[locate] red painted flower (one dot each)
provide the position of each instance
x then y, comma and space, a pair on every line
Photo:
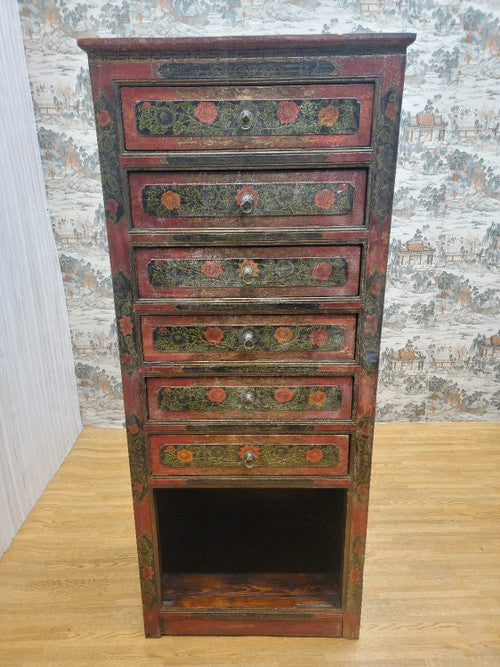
358, 548
287, 112
391, 111
211, 269
147, 572
148, 599
328, 116
111, 206
206, 112
216, 394
314, 455
247, 190
126, 326
283, 394
341, 187
249, 448
355, 575
322, 271
146, 105
126, 359
324, 199
283, 334
170, 448
361, 489
133, 428
214, 335
318, 337
170, 200
103, 118
137, 487
317, 398
185, 455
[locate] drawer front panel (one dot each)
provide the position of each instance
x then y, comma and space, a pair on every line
201, 118
248, 272
265, 199
249, 398
251, 337
249, 454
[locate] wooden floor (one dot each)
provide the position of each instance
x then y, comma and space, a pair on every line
69, 590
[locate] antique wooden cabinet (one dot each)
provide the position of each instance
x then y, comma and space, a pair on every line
248, 190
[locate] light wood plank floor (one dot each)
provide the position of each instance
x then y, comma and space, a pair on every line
69, 591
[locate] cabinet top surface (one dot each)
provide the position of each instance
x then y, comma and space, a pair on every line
349, 43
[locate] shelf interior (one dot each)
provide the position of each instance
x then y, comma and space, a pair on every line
251, 548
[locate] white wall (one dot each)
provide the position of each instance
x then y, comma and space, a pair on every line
39, 415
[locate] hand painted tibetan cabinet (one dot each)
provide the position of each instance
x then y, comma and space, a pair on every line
248, 189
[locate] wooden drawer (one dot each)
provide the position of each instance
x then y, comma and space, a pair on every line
248, 272
329, 198
250, 337
249, 398
204, 118
249, 454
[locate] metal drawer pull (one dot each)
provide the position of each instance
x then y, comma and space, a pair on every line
247, 274
249, 459
249, 398
248, 340
246, 119
247, 202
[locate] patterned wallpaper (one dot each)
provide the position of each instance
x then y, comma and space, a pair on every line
441, 337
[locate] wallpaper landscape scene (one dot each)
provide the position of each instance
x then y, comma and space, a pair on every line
441, 338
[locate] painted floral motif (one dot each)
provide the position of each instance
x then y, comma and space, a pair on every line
146, 569
182, 118
283, 394
214, 335
209, 200
126, 328
314, 455
328, 116
266, 337
249, 449
287, 112
211, 269
247, 190
206, 112
266, 455
279, 272
185, 455
195, 399
170, 200
107, 140
324, 199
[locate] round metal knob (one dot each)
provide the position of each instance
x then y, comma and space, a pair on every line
247, 274
246, 119
248, 340
249, 459
249, 398
247, 202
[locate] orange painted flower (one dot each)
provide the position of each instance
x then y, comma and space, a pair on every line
111, 206
317, 398
247, 190
216, 395
137, 487
355, 575
126, 359
206, 112
248, 262
147, 572
249, 448
283, 334
170, 448
103, 118
211, 269
328, 116
322, 271
133, 428
318, 337
146, 105
170, 200
214, 335
391, 111
358, 548
287, 112
185, 455
314, 455
361, 489
324, 199
126, 326
283, 394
